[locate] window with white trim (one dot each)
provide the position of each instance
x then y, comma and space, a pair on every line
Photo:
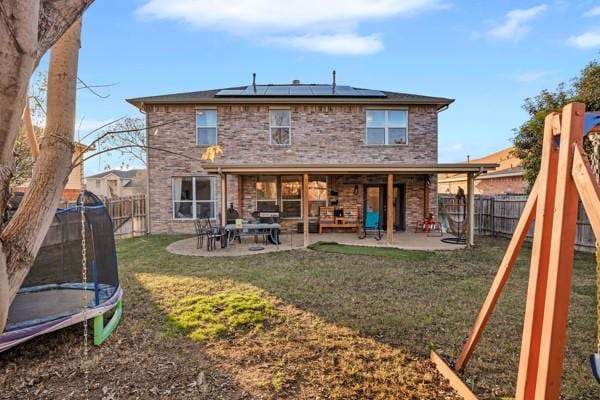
387, 127
291, 196
206, 127
317, 195
194, 197
266, 192
280, 127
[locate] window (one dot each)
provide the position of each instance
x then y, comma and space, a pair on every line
317, 195
291, 196
266, 193
387, 127
280, 127
206, 127
98, 183
194, 197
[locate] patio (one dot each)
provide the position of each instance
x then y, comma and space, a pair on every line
289, 241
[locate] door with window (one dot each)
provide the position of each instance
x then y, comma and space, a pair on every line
376, 201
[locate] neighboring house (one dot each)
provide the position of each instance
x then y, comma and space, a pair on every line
73, 186
118, 183
294, 147
508, 178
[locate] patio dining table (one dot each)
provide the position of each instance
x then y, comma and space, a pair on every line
253, 229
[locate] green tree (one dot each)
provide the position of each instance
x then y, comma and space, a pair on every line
528, 137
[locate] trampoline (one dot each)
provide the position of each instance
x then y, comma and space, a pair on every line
53, 294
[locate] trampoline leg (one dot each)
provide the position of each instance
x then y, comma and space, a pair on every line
101, 332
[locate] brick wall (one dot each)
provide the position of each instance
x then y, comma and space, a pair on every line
320, 134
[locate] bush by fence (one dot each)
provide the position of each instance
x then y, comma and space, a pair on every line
498, 216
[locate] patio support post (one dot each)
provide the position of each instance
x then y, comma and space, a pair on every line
470, 209
425, 197
240, 196
305, 208
223, 199
390, 209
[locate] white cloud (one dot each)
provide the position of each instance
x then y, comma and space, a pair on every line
593, 12
515, 25
586, 40
339, 43
312, 25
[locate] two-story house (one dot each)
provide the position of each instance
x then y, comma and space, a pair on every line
118, 183
296, 147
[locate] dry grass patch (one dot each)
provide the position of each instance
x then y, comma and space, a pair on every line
280, 351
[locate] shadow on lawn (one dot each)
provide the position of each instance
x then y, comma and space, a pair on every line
137, 361
414, 304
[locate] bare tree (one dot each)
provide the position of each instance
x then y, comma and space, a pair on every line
28, 28
129, 136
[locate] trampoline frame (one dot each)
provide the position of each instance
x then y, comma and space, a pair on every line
94, 312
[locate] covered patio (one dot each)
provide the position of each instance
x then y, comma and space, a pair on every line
289, 241
387, 177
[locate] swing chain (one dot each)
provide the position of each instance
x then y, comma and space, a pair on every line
85, 291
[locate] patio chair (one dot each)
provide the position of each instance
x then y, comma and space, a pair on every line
201, 232
215, 233
232, 216
371, 226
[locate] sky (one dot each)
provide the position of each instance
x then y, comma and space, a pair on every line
488, 55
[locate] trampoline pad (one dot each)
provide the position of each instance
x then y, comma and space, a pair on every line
31, 308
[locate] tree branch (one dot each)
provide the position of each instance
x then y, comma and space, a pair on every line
56, 16
108, 133
76, 164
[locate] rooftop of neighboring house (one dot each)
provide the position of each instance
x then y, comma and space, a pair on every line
291, 93
121, 173
508, 165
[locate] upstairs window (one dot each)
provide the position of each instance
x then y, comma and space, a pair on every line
387, 127
206, 127
280, 129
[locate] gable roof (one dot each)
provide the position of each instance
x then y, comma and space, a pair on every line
126, 174
295, 93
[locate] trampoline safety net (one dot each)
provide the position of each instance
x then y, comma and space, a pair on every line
54, 286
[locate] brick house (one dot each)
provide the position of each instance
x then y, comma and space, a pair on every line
295, 146
508, 178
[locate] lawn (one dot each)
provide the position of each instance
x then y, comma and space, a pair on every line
329, 322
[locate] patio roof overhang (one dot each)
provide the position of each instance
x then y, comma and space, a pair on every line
348, 169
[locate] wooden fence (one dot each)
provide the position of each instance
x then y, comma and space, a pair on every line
128, 215
498, 216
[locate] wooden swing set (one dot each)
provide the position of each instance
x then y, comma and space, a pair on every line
565, 176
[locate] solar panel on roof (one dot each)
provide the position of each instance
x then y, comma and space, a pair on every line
299, 91
278, 91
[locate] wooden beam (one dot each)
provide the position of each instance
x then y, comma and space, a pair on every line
390, 209
470, 209
546, 187
305, 209
560, 265
588, 188
506, 266
223, 199
455, 382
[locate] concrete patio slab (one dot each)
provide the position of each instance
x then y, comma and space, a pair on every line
289, 241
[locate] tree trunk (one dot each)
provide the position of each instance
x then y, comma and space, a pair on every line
24, 234
18, 45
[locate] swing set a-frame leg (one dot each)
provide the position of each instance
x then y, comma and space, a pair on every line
506, 266
565, 175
